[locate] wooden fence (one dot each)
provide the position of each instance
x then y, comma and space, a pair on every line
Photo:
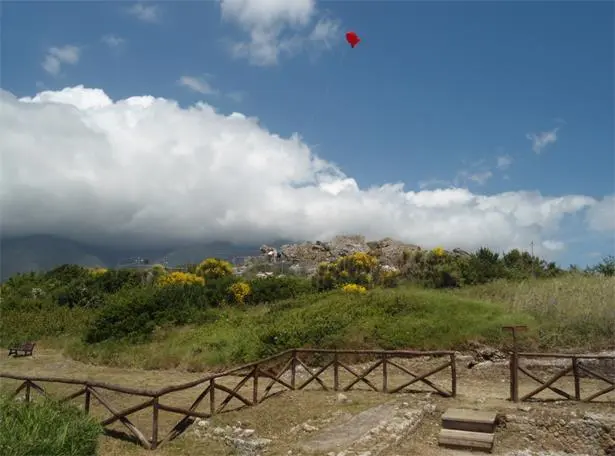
578, 368
386, 371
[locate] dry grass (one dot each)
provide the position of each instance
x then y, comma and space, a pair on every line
572, 311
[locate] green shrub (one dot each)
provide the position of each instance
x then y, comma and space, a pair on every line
113, 280
46, 429
67, 273
270, 289
78, 294
216, 291
135, 313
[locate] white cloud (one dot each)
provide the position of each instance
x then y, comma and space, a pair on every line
601, 216
542, 140
278, 27
144, 170
113, 41
56, 56
504, 162
199, 85
145, 13
553, 245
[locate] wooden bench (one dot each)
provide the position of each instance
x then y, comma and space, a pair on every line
26, 349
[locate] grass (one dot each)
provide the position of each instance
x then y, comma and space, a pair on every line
573, 311
46, 428
404, 318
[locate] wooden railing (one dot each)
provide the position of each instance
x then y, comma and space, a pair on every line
283, 372
577, 369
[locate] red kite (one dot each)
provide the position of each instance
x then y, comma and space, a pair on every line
353, 39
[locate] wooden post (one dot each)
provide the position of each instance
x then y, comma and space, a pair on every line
453, 375
514, 362
336, 373
212, 396
577, 379
255, 386
88, 399
293, 370
155, 410
385, 374
28, 391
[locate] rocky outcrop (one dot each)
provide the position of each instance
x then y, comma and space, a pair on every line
304, 257
388, 251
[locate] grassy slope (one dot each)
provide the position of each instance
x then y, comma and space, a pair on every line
404, 318
573, 311
569, 312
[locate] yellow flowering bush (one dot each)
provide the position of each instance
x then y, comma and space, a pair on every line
438, 251
212, 269
97, 271
357, 268
179, 278
239, 291
354, 288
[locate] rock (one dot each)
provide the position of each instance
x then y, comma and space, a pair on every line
247, 447
308, 427
202, 423
248, 432
218, 431
343, 399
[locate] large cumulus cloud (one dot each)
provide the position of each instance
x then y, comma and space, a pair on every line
144, 170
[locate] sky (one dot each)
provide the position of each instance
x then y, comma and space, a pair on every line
453, 124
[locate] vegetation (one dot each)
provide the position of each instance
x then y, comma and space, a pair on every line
46, 428
210, 316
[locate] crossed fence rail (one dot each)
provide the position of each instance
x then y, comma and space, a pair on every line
248, 385
287, 371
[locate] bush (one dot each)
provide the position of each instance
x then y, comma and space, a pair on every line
217, 290
354, 288
213, 268
113, 281
179, 278
134, 314
67, 273
78, 294
356, 268
238, 292
47, 428
271, 289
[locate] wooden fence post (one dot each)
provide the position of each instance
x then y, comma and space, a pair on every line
336, 373
577, 379
212, 396
155, 410
255, 385
453, 375
28, 389
293, 370
385, 374
88, 399
514, 362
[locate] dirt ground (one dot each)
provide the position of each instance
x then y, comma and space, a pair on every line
277, 418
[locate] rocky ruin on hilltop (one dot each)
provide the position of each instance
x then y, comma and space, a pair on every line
307, 255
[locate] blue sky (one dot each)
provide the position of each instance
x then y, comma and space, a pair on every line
437, 94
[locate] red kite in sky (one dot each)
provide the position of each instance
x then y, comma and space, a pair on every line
352, 38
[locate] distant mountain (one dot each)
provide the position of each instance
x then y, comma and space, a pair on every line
41, 253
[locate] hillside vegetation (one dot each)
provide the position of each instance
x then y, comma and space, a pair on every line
46, 428
210, 317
